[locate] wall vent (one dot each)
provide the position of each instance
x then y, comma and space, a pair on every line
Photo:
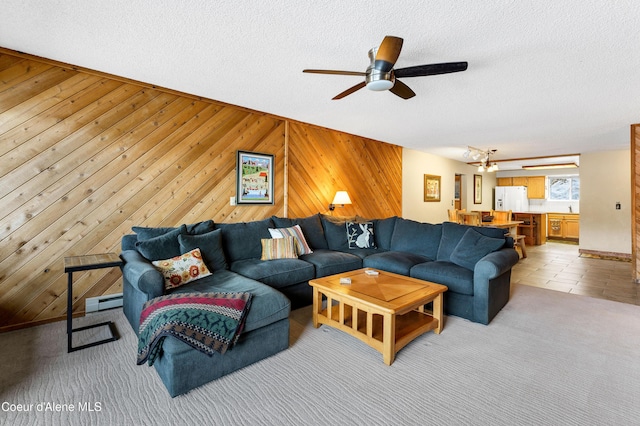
100, 303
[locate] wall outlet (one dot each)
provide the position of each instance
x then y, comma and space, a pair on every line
232, 201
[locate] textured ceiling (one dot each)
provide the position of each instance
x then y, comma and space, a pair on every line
544, 77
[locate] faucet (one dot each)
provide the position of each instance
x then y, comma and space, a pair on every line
570, 209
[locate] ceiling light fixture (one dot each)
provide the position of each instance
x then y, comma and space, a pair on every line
551, 166
483, 156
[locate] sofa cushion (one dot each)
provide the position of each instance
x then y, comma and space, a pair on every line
383, 231
360, 235
182, 269
362, 253
295, 231
415, 237
210, 245
474, 246
267, 305
278, 248
394, 261
145, 233
335, 234
329, 262
163, 246
242, 240
311, 228
275, 273
452, 233
456, 278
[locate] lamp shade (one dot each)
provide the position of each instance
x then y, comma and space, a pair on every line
341, 198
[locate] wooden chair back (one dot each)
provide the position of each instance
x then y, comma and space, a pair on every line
453, 214
470, 218
501, 215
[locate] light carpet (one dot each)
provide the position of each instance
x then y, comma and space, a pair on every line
548, 358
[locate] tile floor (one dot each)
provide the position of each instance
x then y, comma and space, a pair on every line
559, 266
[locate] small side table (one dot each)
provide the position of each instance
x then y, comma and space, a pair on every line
84, 263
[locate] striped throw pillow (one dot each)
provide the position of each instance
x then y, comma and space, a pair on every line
278, 248
295, 232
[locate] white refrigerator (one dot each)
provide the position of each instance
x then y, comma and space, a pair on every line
512, 198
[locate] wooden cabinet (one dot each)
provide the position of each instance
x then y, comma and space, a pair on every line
535, 184
534, 227
564, 226
536, 187
519, 181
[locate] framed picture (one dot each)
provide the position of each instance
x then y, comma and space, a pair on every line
477, 189
254, 178
431, 188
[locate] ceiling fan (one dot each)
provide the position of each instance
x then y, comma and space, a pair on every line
380, 74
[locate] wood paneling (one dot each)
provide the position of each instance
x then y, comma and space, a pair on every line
635, 199
324, 161
85, 156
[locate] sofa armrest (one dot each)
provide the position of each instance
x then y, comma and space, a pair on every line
496, 263
141, 274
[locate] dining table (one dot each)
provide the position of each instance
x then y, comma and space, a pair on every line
511, 225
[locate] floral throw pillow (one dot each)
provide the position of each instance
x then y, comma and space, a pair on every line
182, 269
360, 235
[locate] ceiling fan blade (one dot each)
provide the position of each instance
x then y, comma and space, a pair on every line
402, 90
431, 69
388, 53
336, 72
350, 90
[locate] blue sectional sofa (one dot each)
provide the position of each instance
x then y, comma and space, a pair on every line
474, 262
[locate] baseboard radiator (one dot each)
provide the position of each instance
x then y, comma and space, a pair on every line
101, 303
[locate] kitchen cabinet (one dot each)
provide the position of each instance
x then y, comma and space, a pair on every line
564, 226
519, 181
536, 187
533, 227
535, 184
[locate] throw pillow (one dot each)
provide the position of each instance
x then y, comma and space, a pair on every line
164, 246
474, 246
360, 235
182, 269
278, 248
210, 245
295, 232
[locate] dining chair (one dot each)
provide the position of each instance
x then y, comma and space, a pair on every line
453, 214
469, 218
501, 215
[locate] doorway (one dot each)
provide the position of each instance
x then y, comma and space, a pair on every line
457, 196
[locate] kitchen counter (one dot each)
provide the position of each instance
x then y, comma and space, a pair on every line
533, 227
564, 226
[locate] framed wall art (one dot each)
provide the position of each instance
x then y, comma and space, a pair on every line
254, 180
431, 188
477, 189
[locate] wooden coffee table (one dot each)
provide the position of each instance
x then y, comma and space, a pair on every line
386, 311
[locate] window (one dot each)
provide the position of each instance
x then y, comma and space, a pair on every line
564, 188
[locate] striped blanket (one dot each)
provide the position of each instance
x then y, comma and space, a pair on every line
209, 322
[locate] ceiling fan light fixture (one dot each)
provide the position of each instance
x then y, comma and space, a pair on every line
379, 85
381, 75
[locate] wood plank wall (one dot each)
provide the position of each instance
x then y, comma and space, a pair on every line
635, 199
84, 156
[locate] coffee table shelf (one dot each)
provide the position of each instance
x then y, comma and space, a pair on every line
408, 326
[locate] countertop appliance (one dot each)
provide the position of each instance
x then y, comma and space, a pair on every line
512, 198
